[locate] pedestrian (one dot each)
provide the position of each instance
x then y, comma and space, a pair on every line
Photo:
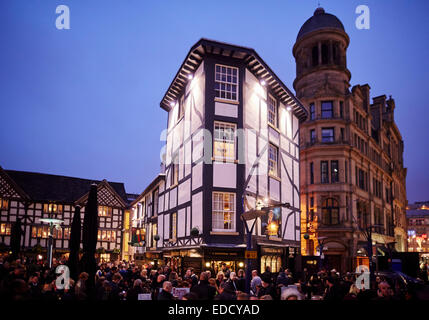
203, 289
166, 294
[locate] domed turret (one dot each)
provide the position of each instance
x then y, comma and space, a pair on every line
320, 20
320, 54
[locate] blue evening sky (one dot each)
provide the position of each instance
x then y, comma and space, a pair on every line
84, 102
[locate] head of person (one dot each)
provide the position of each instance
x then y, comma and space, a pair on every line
384, 289
117, 278
212, 282
266, 281
233, 276
291, 293
167, 286
241, 273
204, 276
266, 297
137, 283
254, 273
83, 276
188, 273
354, 289
220, 276
209, 273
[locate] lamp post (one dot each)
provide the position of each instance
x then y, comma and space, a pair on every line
254, 214
321, 242
52, 223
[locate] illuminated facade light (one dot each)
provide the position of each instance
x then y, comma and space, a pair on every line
190, 76
263, 83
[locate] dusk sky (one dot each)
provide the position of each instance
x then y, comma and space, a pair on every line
84, 102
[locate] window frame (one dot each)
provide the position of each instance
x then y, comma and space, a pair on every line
331, 109
221, 211
324, 174
312, 111
335, 176
275, 171
331, 137
226, 82
327, 211
224, 142
274, 112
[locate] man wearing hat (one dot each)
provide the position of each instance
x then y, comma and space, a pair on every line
267, 287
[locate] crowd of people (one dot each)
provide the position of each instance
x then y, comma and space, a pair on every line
27, 279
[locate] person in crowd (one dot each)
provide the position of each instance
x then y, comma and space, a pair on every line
241, 279
290, 293
203, 289
220, 278
332, 292
255, 283
267, 287
353, 293
166, 294
226, 293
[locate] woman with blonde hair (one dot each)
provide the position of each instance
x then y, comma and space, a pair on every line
353, 293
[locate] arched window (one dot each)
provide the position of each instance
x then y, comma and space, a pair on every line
330, 212
315, 56
325, 54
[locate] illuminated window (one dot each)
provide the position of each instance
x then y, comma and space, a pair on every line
104, 211
272, 111
4, 204
41, 232
224, 141
273, 160
226, 83
5, 229
223, 211
52, 208
106, 235
154, 233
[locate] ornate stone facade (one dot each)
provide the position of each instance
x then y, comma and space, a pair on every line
352, 172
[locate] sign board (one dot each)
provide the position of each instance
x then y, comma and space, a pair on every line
251, 254
144, 296
180, 292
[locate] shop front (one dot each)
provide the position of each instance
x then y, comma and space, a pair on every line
223, 259
180, 260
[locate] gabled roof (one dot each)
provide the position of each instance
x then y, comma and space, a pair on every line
160, 177
49, 187
248, 55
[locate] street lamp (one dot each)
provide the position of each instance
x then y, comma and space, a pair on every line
52, 223
254, 214
321, 242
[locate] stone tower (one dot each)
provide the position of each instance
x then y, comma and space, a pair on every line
348, 148
320, 54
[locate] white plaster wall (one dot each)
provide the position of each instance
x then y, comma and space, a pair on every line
224, 175
181, 227
197, 176
226, 109
184, 191
197, 211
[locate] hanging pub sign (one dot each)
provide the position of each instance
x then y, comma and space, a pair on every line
138, 237
271, 222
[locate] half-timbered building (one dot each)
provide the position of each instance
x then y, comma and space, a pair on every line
33, 196
232, 141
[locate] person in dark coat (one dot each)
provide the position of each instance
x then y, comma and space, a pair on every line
267, 287
225, 293
333, 291
166, 294
203, 289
